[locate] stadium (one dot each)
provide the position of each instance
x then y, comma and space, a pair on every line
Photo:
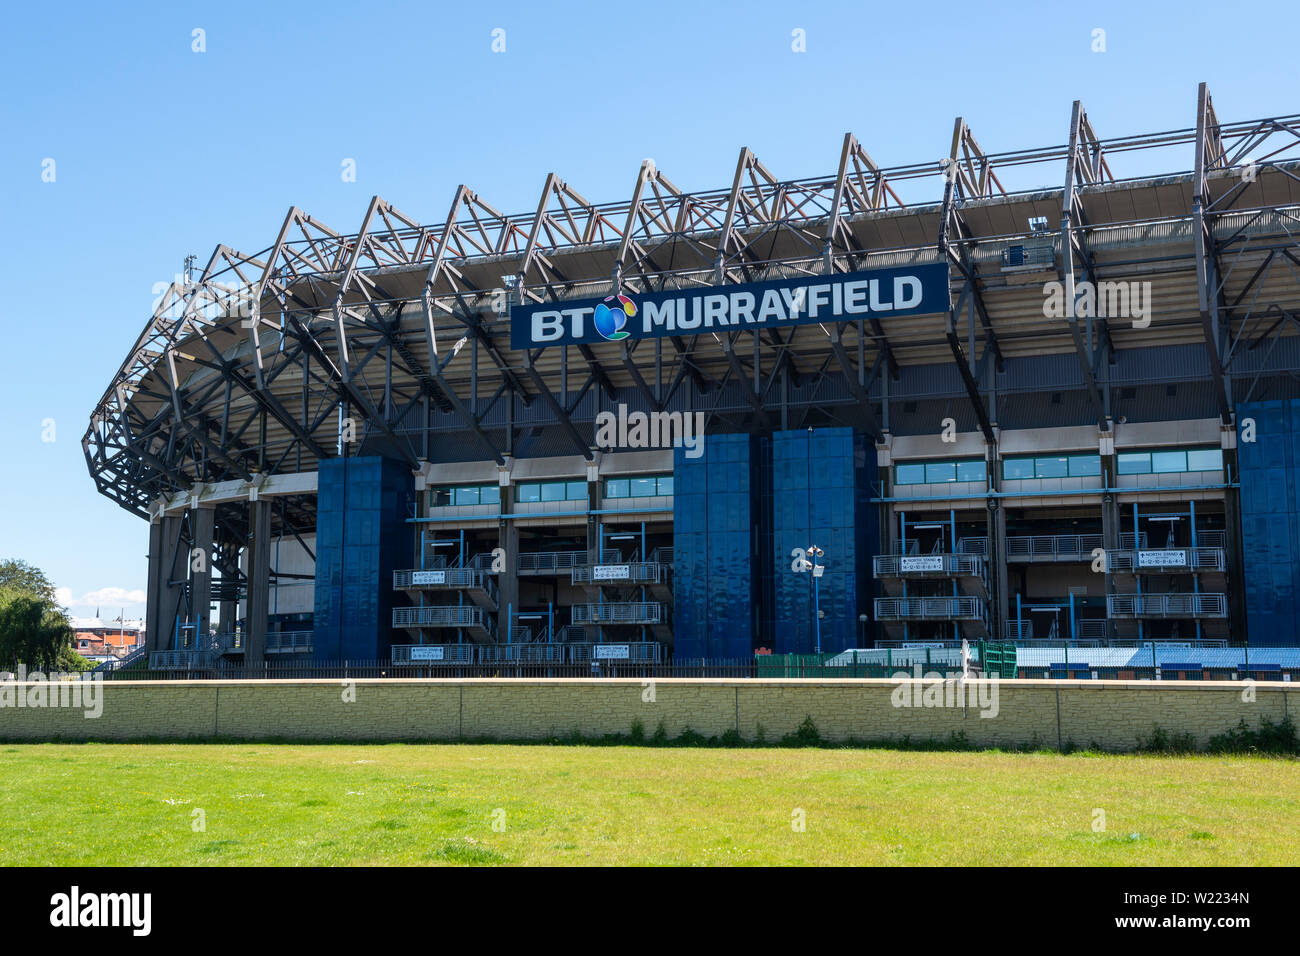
1040, 395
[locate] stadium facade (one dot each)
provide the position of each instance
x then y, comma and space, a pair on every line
1041, 394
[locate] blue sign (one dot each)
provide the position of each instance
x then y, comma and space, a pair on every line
845, 297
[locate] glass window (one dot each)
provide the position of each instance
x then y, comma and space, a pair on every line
464, 495
1205, 459
489, 495
1016, 468
1133, 463
1085, 466
553, 491
616, 488
970, 471
940, 471
439, 497
909, 475
530, 491
1051, 467
644, 487
575, 490
665, 484
1165, 462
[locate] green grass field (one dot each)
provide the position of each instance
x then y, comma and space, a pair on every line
281, 804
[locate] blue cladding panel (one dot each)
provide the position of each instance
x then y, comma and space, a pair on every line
1270, 520
713, 550
739, 511
361, 538
821, 496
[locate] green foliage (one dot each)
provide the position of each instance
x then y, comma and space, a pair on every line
33, 631
1269, 738
18, 575
1163, 742
691, 738
637, 736
807, 735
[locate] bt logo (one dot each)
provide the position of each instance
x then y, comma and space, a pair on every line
609, 322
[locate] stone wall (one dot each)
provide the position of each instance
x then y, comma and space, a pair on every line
1108, 714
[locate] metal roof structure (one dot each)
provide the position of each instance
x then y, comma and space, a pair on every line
248, 368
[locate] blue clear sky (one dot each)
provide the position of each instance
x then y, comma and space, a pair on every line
161, 152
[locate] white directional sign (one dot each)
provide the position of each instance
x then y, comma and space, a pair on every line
609, 652
1162, 559
429, 577
929, 562
426, 653
611, 572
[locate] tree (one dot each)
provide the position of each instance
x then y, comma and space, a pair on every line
21, 576
33, 631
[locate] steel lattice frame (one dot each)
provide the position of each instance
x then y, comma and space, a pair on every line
247, 369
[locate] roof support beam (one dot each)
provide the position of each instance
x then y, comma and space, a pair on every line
1085, 162
1209, 149
561, 416
851, 378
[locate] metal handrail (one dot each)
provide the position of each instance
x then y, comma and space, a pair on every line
445, 654
1062, 547
468, 615
1196, 559
451, 579
561, 560
907, 565
931, 608
631, 612
638, 572
1167, 605
289, 640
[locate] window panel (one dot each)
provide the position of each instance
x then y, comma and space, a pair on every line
909, 474
665, 484
1133, 463
940, 471
1085, 466
575, 490
1018, 468
616, 488
971, 471
643, 487
439, 497
489, 495
530, 491
1051, 467
1205, 459
1167, 462
464, 495
553, 490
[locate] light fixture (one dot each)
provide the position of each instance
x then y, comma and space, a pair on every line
622, 537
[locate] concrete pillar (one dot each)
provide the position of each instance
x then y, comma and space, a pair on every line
1110, 525
1234, 559
259, 581
202, 526
996, 525
153, 584
508, 579
168, 563
508, 540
